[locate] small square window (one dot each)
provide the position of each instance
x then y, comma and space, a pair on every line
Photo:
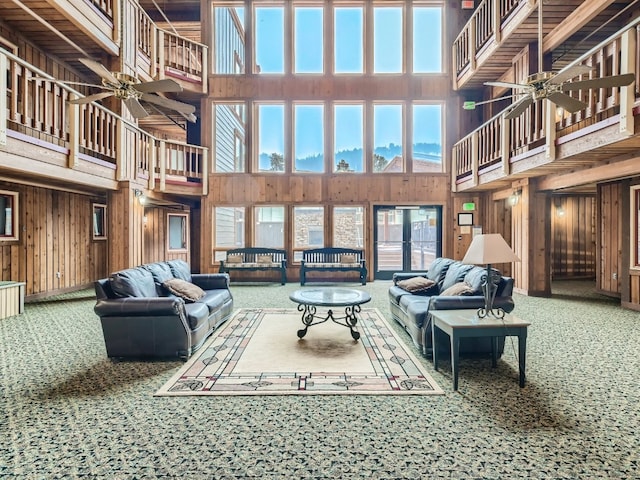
99, 221
8, 215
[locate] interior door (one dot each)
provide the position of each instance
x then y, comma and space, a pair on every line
406, 238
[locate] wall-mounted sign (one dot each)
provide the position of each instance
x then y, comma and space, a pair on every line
469, 206
467, 4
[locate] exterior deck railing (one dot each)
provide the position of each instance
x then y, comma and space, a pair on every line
36, 105
499, 139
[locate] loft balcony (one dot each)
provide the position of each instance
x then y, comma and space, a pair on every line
43, 136
71, 29
544, 140
499, 30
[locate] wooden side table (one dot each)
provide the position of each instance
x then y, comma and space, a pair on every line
465, 323
11, 298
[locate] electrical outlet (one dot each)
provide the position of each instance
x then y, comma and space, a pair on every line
58, 275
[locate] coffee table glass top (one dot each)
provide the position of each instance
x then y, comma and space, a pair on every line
330, 297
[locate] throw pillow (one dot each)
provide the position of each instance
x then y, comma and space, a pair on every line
234, 259
348, 258
265, 259
461, 288
416, 284
184, 289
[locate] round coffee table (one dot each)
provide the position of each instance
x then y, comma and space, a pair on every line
308, 299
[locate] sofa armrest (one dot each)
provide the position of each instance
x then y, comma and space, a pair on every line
211, 281
139, 306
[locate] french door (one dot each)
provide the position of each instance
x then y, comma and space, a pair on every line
406, 238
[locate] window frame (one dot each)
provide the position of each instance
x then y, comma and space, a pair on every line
634, 211
14, 216
220, 252
99, 231
361, 215
185, 232
296, 250
255, 219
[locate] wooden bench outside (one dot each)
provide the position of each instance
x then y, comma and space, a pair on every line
255, 259
333, 259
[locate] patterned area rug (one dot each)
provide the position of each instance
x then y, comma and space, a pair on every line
258, 352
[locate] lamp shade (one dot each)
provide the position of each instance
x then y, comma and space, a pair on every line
489, 248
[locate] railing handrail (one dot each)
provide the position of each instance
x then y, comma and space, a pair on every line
575, 62
47, 77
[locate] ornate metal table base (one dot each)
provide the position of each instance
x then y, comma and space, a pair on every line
310, 317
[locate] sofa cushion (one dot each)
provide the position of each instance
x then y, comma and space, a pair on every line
455, 274
184, 289
160, 271
475, 278
197, 315
180, 269
438, 270
234, 259
418, 285
215, 299
133, 282
461, 288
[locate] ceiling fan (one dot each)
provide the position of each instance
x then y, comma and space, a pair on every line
132, 92
552, 86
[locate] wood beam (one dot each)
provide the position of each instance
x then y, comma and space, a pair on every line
574, 22
609, 171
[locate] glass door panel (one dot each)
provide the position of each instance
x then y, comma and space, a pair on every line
406, 239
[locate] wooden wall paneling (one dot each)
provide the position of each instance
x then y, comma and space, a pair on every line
610, 246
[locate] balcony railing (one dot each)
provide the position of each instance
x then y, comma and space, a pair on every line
480, 29
500, 140
36, 105
161, 53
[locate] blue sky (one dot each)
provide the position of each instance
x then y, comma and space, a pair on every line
348, 58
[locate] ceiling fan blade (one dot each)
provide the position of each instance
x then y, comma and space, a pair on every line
168, 103
570, 73
519, 107
99, 70
563, 100
604, 82
90, 98
506, 85
166, 85
135, 108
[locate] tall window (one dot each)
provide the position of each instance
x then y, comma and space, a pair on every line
271, 138
269, 39
427, 138
308, 137
427, 40
308, 229
308, 40
387, 138
228, 226
269, 226
229, 40
230, 137
348, 40
387, 41
348, 123
99, 221
348, 227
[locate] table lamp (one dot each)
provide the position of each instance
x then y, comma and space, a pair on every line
486, 249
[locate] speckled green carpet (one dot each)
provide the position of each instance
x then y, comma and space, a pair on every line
66, 411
